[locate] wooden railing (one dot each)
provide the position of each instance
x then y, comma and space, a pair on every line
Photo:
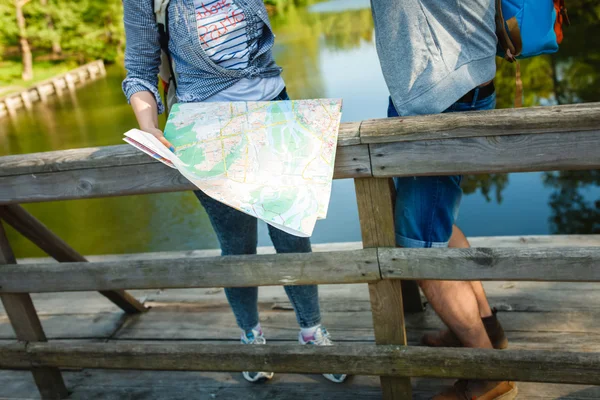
536, 139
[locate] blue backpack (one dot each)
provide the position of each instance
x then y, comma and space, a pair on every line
527, 28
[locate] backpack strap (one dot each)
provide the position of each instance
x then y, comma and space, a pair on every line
166, 71
509, 34
160, 10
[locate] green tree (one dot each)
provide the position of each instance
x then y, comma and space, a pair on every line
9, 32
54, 37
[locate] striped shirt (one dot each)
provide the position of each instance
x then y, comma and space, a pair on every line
198, 76
222, 33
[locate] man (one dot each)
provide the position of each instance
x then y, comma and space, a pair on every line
439, 56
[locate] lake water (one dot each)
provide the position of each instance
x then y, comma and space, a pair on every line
326, 50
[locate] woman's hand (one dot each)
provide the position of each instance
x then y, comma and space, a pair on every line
145, 109
157, 133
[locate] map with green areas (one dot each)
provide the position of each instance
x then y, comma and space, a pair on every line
273, 160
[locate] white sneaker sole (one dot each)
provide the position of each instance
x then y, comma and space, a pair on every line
259, 378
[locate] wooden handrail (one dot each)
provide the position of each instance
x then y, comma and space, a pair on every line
355, 359
572, 142
355, 266
581, 264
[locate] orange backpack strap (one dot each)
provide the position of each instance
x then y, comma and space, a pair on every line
561, 18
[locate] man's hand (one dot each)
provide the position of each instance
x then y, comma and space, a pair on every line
157, 133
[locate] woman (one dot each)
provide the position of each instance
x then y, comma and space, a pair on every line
222, 52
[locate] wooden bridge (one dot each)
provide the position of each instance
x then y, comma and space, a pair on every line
554, 338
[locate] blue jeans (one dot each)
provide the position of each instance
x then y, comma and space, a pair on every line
427, 206
237, 234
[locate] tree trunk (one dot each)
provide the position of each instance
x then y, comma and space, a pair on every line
56, 47
27, 73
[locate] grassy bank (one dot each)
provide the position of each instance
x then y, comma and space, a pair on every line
10, 74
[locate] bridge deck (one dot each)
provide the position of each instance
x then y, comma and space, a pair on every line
561, 316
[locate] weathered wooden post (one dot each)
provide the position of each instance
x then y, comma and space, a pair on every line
375, 209
28, 328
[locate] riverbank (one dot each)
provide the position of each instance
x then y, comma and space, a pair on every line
10, 74
54, 85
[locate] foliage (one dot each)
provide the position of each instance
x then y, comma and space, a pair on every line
85, 29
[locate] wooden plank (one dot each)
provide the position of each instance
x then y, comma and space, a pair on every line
349, 133
554, 322
375, 210
54, 246
501, 122
122, 155
356, 359
578, 264
425, 388
171, 321
494, 154
184, 322
352, 161
411, 293
536, 241
538, 297
177, 385
150, 177
88, 303
73, 326
14, 353
374, 199
92, 183
28, 328
356, 266
151, 385
146, 385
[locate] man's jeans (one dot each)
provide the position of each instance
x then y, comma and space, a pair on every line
427, 206
237, 234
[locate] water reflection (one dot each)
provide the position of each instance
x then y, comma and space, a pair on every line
572, 210
485, 184
327, 50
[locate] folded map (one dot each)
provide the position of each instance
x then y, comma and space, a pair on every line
273, 160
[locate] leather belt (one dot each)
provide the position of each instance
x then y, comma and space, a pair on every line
484, 92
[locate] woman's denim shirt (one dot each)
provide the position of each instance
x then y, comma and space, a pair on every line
198, 77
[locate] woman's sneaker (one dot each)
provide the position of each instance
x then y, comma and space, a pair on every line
321, 338
255, 337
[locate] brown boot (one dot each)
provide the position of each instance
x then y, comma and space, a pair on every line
495, 331
480, 390
447, 338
